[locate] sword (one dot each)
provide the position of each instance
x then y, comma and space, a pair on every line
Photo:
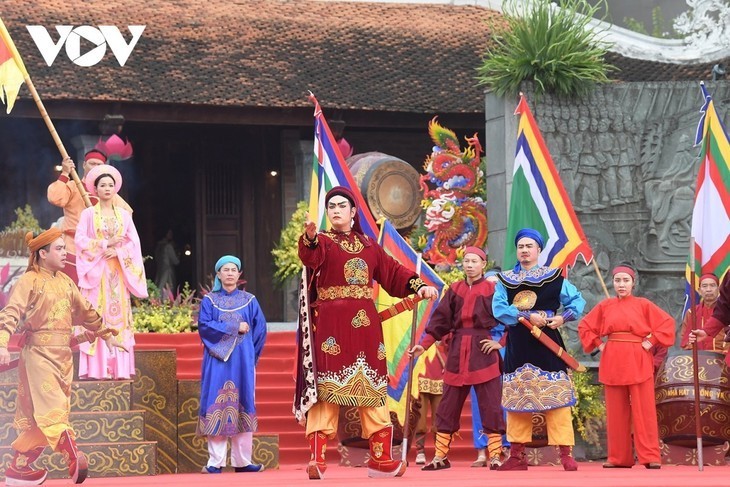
559, 351
406, 304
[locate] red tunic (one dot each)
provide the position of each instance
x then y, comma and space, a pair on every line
721, 314
704, 313
348, 337
626, 322
466, 311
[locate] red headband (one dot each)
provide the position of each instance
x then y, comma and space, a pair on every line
95, 154
476, 251
627, 270
710, 275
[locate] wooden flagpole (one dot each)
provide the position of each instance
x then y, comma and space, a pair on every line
411, 360
695, 355
57, 139
42, 109
600, 277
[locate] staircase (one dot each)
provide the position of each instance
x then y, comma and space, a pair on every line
275, 391
108, 431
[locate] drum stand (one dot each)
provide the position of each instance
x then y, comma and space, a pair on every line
683, 455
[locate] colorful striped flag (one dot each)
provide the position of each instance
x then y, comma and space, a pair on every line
397, 330
711, 214
12, 69
329, 170
538, 200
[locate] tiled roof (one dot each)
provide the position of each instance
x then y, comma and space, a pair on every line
267, 53
412, 58
639, 70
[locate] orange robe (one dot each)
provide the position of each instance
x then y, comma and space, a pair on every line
627, 372
48, 305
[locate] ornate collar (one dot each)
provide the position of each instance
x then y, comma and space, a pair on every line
537, 276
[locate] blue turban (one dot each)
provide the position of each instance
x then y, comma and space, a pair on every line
530, 233
226, 259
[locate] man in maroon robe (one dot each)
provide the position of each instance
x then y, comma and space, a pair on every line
473, 359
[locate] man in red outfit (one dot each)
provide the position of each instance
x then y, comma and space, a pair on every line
719, 320
710, 292
348, 356
473, 360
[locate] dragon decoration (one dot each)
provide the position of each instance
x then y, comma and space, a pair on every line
454, 199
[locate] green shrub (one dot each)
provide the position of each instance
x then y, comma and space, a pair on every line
177, 313
286, 252
553, 47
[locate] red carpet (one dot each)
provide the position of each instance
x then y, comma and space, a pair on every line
589, 474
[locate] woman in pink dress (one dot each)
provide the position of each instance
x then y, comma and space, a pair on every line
110, 268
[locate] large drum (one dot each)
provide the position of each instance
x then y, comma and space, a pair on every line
389, 185
674, 390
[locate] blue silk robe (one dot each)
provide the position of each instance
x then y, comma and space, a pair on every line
228, 378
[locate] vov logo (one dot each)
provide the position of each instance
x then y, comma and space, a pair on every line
70, 36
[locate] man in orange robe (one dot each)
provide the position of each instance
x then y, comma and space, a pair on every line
48, 304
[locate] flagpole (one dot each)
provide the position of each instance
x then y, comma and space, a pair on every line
5, 36
600, 277
411, 360
57, 139
695, 356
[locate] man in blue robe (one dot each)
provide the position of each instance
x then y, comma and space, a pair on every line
233, 330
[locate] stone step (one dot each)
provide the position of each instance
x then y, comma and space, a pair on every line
92, 395
123, 459
92, 426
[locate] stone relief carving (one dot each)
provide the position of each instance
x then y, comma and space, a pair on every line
626, 157
706, 24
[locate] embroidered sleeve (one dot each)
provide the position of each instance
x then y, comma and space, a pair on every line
416, 283
310, 243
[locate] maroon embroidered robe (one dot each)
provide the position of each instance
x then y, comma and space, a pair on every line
348, 339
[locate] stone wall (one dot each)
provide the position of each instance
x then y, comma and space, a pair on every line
626, 157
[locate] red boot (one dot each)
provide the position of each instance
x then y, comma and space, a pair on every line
317, 447
78, 467
20, 471
381, 463
566, 458
517, 459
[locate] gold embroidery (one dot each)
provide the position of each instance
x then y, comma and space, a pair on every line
330, 346
525, 300
531, 389
356, 272
416, 283
381, 351
430, 386
354, 247
4, 339
360, 319
310, 243
354, 385
61, 310
377, 449
342, 292
21, 460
